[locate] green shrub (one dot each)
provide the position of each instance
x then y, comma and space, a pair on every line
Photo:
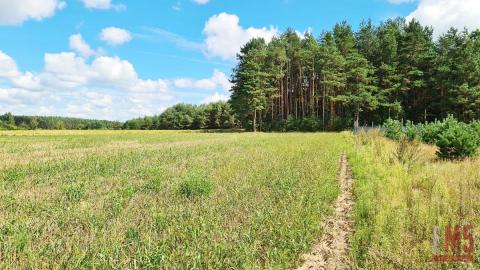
430, 132
196, 184
476, 126
458, 141
411, 131
393, 129
310, 124
455, 140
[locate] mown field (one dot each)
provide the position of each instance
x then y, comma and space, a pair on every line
163, 200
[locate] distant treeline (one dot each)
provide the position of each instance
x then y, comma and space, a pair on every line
217, 115
13, 122
394, 70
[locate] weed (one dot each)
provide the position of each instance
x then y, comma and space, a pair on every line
74, 192
196, 184
406, 152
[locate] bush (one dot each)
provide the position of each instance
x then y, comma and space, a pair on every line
411, 131
430, 133
196, 184
458, 141
393, 129
476, 126
455, 140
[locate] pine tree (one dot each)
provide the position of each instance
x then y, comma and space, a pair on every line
248, 95
361, 92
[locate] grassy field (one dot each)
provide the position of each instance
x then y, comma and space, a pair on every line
184, 200
402, 193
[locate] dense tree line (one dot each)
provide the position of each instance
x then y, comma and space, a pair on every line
217, 115
393, 70
10, 121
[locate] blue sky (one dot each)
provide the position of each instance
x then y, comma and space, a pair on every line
121, 59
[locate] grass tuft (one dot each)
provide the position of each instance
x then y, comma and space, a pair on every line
196, 184
74, 192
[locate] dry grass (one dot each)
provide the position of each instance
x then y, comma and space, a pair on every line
399, 202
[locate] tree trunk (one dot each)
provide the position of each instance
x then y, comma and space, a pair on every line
255, 120
356, 124
260, 120
282, 100
323, 106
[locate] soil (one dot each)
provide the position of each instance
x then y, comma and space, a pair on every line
334, 249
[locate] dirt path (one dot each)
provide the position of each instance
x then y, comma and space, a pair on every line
333, 250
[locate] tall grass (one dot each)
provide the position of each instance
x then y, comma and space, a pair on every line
163, 200
402, 195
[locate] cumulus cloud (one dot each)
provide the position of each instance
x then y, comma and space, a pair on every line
89, 84
218, 79
78, 44
99, 99
104, 87
215, 98
102, 4
225, 36
8, 67
115, 36
443, 14
17, 11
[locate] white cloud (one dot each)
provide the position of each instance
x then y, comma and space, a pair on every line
201, 2
27, 81
215, 98
304, 33
115, 36
443, 14
225, 36
66, 70
15, 96
101, 87
15, 12
102, 4
78, 44
8, 67
218, 79
113, 70
99, 99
